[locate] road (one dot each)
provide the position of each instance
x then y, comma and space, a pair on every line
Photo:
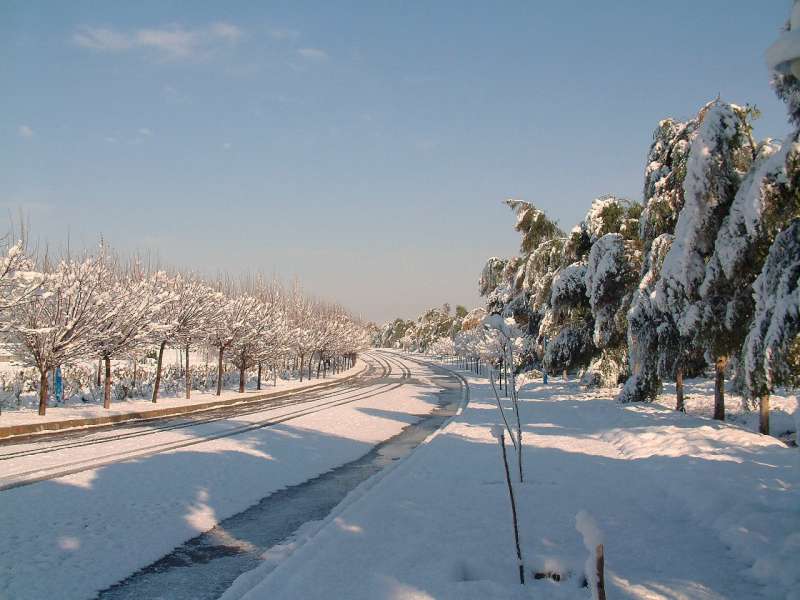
84, 510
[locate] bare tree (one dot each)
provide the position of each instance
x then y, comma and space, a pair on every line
60, 324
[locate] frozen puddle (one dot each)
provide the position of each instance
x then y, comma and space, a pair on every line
205, 566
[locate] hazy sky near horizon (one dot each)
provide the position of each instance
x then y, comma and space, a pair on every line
363, 147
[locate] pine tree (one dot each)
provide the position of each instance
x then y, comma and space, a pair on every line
663, 201
772, 346
719, 155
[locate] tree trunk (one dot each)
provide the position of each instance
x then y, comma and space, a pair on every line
310, 367
258, 385
719, 387
219, 371
157, 384
107, 390
133, 385
679, 405
99, 370
763, 414
241, 374
566, 375
43, 392
302, 366
188, 375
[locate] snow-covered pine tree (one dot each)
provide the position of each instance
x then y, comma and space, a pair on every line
720, 153
663, 201
772, 346
568, 322
647, 331
533, 224
612, 275
765, 203
759, 245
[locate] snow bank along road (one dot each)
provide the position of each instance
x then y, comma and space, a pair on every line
79, 513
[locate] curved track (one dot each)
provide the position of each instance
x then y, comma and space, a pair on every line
68, 456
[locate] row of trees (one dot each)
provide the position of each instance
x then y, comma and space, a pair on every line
705, 272
422, 333
56, 313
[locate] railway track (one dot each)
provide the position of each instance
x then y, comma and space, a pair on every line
351, 392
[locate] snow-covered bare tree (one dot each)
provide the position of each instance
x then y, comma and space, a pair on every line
132, 301
182, 320
235, 316
60, 324
19, 280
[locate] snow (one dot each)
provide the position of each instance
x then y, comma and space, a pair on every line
71, 536
587, 527
688, 507
743, 224
569, 285
699, 401
787, 47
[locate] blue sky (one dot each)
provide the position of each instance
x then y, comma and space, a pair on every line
363, 147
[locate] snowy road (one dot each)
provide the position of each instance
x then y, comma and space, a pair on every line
80, 513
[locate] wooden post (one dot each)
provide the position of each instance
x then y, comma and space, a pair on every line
601, 577
513, 510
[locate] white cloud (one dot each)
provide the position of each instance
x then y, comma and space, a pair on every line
313, 54
227, 146
145, 131
226, 31
284, 34
174, 42
25, 131
101, 38
110, 139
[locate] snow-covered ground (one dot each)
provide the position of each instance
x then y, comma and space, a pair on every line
73, 535
688, 508
29, 413
699, 400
